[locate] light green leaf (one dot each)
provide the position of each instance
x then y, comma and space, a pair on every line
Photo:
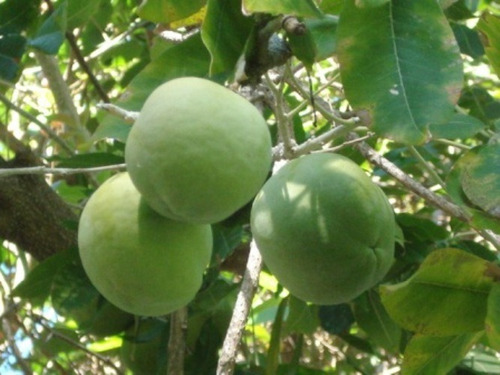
372, 318
492, 323
460, 126
50, 36
189, 58
446, 296
480, 178
303, 8
400, 66
224, 32
489, 26
166, 11
436, 355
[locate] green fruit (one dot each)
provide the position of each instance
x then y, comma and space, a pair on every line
198, 151
139, 260
324, 229
144, 348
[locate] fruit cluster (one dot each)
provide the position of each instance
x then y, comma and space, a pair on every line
197, 153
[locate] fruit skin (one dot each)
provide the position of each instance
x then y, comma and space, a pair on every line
139, 260
198, 151
324, 229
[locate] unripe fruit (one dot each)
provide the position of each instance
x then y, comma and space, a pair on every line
198, 151
139, 260
324, 229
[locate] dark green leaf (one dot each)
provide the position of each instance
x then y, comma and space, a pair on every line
50, 36
36, 286
480, 178
459, 10
166, 11
436, 355
225, 46
372, 318
370, 3
446, 296
275, 341
81, 12
421, 228
225, 239
303, 47
12, 46
19, 15
189, 58
336, 319
302, 317
492, 323
480, 103
398, 82
304, 8
460, 126
323, 32
468, 40
94, 159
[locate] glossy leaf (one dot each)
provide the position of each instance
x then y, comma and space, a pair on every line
446, 296
372, 318
303, 8
492, 325
468, 40
189, 58
480, 178
460, 126
51, 34
400, 84
436, 355
489, 26
165, 11
225, 46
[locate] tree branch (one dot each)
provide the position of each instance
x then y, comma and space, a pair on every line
128, 116
375, 158
240, 313
176, 342
39, 170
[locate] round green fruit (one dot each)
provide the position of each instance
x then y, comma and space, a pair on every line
324, 229
139, 260
198, 151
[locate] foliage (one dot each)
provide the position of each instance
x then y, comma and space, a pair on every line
406, 89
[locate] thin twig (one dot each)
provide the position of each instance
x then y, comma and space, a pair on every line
46, 128
414, 186
15, 350
59, 171
128, 116
240, 313
428, 168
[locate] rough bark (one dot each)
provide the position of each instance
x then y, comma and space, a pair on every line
32, 215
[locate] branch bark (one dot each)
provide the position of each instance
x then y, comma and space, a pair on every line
241, 310
177, 342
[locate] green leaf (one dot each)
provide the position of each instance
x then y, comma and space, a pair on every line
480, 103
492, 323
480, 178
81, 12
407, 74
165, 11
489, 26
273, 352
303, 8
323, 32
446, 296
50, 36
370, 3
468, 40
36, 286
93, 159
336, 319
436, 355
372, 318
12, 46
224, 32
19, 15
302, 317
226, 238
189, 58
303, 47
460, 126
